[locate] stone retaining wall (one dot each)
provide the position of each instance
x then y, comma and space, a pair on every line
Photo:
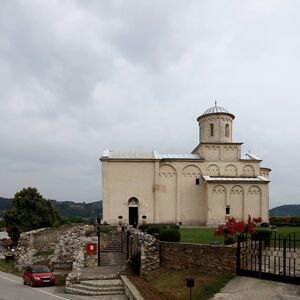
206, 258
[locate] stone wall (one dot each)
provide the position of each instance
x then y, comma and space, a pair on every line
65, 244
147, 247
206, 258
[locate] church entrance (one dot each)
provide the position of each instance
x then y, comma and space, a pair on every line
133, 216
133, 204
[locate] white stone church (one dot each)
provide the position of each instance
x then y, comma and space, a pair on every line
205, 187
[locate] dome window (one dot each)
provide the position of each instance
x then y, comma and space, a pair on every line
211, 129
227, 130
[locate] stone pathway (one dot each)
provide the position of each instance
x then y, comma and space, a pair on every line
248, 288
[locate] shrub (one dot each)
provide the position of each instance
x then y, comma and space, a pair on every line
155, 228
175, 227
262, 234
135, 263
229, 241
170, 235
144, 227
264, 224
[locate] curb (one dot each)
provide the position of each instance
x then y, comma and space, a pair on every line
130, 290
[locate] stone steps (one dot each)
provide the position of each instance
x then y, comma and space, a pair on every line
78, 291
102, 283
97, 288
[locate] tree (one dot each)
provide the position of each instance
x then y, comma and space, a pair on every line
29, 211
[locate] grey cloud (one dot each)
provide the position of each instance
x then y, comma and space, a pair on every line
77, 77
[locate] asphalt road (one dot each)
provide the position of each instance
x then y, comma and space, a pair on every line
12, 288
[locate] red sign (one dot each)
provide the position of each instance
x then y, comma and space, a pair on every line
91, 248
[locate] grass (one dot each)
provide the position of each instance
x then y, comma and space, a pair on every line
199, 236
287, 230
9, 267
171, 284
206, 235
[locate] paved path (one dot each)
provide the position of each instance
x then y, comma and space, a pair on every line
248, 288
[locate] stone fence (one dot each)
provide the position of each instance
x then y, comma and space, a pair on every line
206, 258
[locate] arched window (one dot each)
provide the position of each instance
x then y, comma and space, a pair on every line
211, 129
227, 130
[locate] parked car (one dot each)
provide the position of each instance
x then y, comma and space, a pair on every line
38, 275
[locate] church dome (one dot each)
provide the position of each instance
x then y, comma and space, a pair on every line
217, 110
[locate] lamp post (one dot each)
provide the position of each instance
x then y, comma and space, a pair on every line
98, 234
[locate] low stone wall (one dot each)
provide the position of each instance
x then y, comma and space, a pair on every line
147, 246
206, 258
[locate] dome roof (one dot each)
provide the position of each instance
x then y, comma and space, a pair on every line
216, 110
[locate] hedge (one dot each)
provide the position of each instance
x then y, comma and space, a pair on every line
169, 235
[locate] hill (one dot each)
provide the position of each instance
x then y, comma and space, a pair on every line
292, 210
64, 208
78, 209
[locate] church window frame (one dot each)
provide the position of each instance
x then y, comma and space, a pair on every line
227, 130
211, 129
227, 210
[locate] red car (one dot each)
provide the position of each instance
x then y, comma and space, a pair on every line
38, 276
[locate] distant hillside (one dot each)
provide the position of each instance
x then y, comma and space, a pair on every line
78, 209
5, 203
64, 208
286, 210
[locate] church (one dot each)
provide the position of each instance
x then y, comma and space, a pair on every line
203, 188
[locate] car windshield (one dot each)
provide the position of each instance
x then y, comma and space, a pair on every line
40, 270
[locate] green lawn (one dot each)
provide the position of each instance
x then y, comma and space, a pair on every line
199, 236
206, 235
168, 283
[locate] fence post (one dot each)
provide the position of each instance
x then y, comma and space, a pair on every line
238, 255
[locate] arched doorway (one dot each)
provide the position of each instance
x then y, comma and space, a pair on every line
133, 206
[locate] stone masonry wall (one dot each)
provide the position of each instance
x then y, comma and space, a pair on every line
206, 258
65, 244
147, 246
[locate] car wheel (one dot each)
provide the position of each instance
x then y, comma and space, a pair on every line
24, 281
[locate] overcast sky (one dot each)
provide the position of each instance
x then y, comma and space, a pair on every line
78, 77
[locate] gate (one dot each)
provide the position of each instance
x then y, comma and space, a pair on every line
274, 258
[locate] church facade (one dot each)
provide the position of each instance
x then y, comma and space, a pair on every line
206, 187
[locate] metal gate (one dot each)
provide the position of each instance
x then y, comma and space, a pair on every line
274, 258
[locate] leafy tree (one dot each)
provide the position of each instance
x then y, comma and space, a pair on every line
29, 211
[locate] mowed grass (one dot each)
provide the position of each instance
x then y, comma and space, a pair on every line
200, 236
206, 235
171, 284
288, 230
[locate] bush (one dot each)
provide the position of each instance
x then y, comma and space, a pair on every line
264, 224
144, 227
229, 241
170, 235
262, 234
155, 228
135, 263
175, 227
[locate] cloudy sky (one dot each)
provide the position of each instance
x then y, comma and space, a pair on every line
77, 77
